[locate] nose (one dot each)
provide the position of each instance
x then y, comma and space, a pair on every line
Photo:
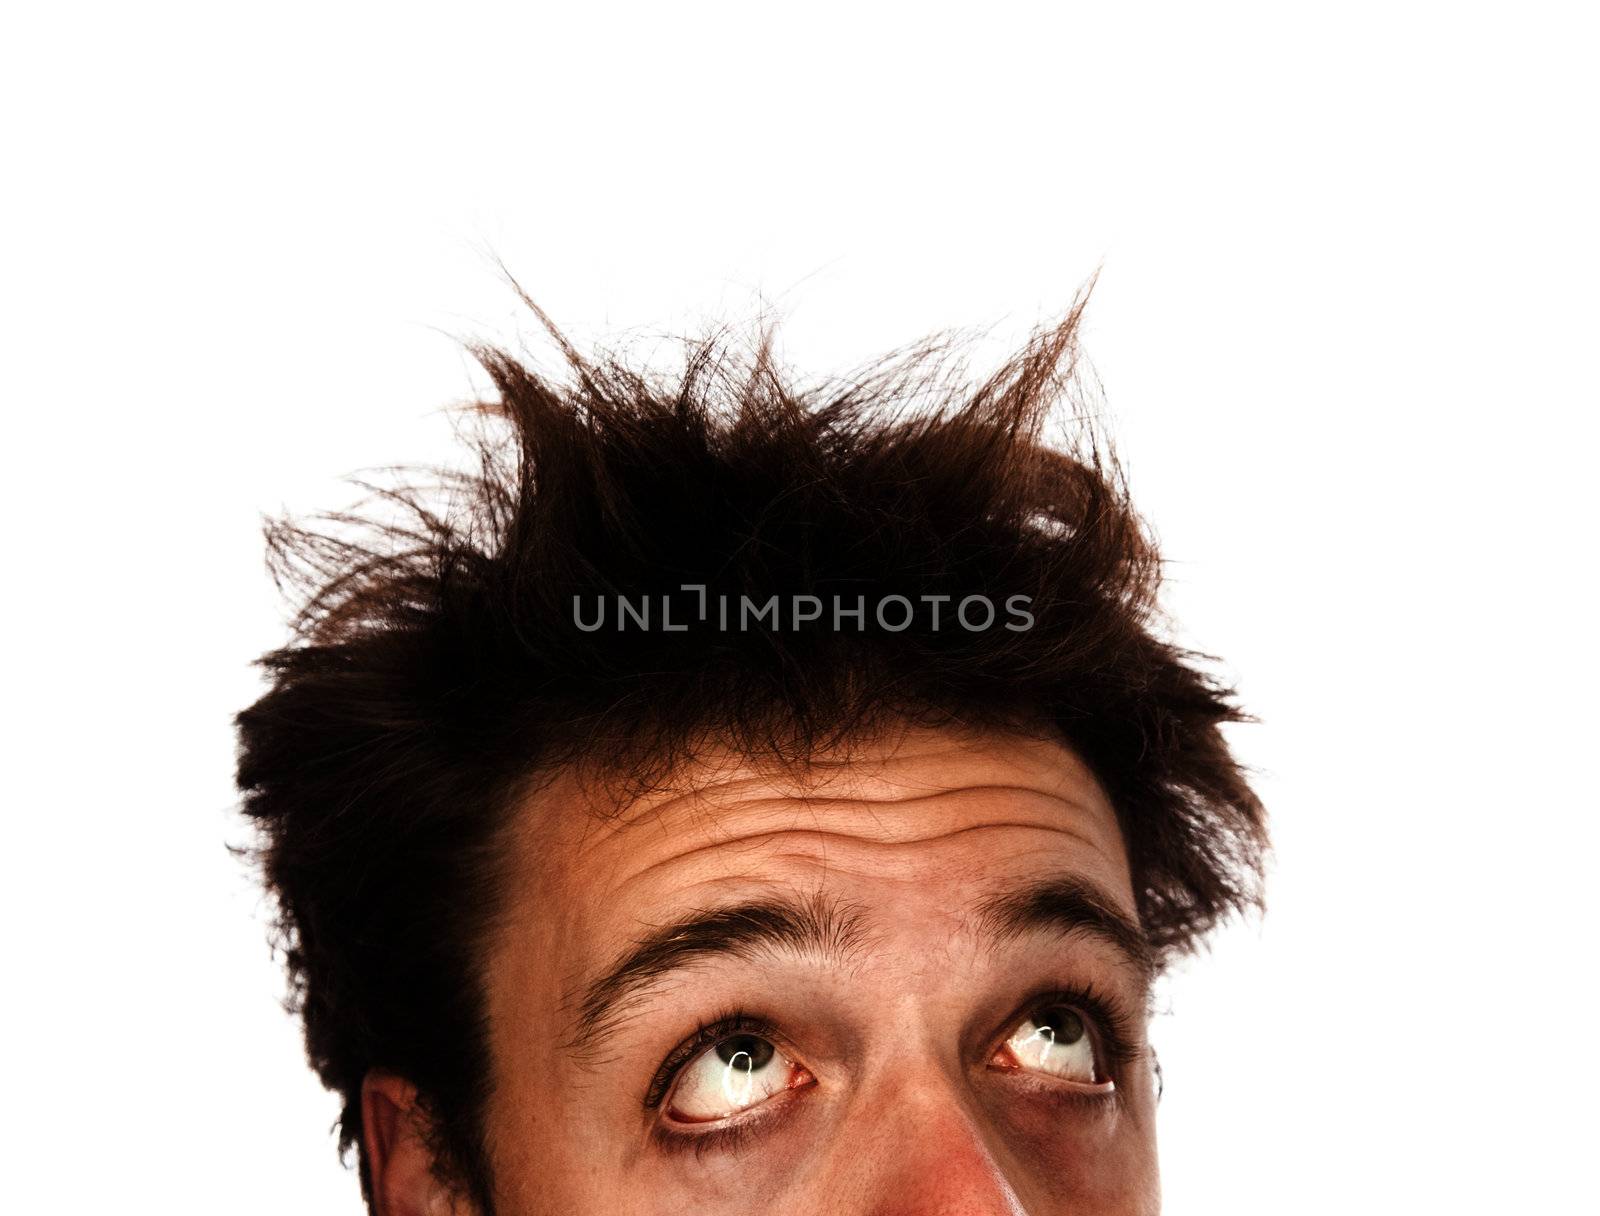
924, 1154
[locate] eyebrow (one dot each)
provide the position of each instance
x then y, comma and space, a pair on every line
836, 932
1072, 906
827, 928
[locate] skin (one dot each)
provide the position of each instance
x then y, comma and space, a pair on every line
902, 1097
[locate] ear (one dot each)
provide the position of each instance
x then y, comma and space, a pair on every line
399, 1161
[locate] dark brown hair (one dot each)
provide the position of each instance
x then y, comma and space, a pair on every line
437, 662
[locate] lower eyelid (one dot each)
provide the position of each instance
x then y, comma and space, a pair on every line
674, 1135
1099, 1099
1087, 1089
699, 1143
1107, 1086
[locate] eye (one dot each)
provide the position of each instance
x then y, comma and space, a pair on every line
1054, 1039
733, 1075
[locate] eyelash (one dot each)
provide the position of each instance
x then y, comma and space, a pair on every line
1109, 1024
708, 1034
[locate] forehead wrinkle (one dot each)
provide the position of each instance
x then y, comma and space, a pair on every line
872, 776
713, 812
822, 836
750, 827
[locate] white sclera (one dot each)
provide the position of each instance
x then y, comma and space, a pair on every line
1047, 1045
713, 1088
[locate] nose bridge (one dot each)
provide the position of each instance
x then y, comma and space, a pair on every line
920, 1150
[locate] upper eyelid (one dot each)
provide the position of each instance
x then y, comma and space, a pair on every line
1117, 1016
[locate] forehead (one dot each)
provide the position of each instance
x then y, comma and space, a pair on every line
915, 823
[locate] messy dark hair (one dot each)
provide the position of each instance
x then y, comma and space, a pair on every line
438, 660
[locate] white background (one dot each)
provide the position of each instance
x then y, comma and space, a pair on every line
1346, 328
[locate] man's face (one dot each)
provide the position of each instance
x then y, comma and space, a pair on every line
908, 982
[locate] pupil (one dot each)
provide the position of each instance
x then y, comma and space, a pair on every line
1060, 1025
756, 1052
